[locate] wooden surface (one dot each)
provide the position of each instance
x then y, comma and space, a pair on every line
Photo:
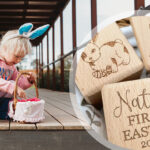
108, 58
59, 114
126, 109
141, 28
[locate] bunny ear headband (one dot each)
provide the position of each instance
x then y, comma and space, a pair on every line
24, 31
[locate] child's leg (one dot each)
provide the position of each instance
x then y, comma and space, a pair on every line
4, 108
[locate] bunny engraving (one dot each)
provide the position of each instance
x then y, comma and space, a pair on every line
106, 59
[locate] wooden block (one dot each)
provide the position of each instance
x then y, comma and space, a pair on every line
127, 113
141, 28
107, 58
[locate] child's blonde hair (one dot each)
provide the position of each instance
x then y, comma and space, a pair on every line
17, 45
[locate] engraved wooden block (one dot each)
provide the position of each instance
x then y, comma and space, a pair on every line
127, 113
107, 58
141, 28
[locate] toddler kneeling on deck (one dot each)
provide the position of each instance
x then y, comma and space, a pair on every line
12, 50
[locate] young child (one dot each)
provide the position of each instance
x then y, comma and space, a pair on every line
13, 48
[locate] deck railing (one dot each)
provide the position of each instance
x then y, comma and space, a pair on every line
40, 66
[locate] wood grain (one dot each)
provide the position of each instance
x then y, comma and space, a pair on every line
20, 126
58, 113
49, 123
56, 100
68, 121
4, 125
126, 109
141, 28
107, 58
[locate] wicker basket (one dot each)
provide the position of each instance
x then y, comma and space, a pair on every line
26, 111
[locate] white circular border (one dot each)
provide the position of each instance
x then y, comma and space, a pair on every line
75, 94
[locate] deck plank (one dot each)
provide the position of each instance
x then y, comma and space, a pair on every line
49, 95
68, 121
4, 125
60, 112
19, 126
47, 92
57, 97
58, 100
49, 123
54, 98
66, 108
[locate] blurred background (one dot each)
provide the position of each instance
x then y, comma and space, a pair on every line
70, 21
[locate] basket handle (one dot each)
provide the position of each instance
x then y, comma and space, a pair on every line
15, 90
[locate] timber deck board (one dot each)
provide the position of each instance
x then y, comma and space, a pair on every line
59, 114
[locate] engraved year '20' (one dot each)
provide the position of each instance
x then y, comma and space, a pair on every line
145, 144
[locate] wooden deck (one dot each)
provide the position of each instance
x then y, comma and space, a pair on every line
61, 130
59, 114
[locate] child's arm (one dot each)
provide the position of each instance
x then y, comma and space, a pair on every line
6, 86
23, 81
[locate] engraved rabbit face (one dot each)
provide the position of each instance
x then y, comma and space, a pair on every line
91, 53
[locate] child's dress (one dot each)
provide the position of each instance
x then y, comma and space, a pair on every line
8, 75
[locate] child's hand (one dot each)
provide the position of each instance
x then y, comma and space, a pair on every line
21, 93
32, 77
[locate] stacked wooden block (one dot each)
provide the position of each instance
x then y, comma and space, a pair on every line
108, 59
